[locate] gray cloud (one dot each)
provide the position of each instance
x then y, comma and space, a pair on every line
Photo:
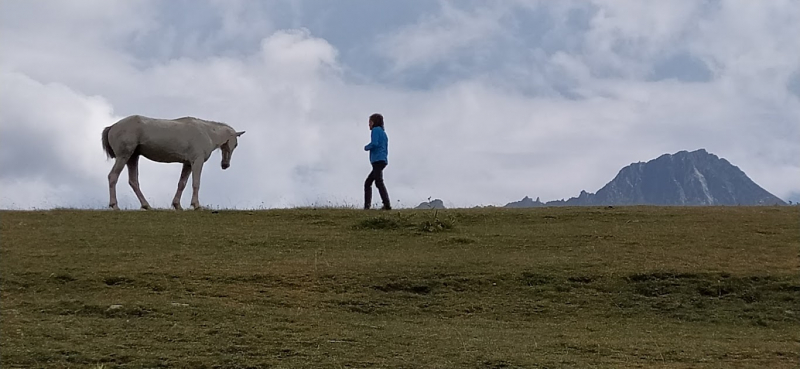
793, 85
682, 67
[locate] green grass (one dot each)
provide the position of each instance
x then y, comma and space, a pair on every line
626, 287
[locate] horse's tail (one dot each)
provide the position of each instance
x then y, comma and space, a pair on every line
106, 145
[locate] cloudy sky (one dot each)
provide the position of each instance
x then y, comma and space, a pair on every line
485, 101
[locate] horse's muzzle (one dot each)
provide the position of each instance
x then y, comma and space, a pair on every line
225, 165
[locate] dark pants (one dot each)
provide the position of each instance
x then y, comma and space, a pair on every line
376, 176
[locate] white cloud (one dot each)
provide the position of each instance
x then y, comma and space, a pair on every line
68, 121
49, 135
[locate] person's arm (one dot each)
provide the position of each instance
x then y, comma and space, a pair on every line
373, 136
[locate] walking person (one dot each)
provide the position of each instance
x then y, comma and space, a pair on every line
379, 158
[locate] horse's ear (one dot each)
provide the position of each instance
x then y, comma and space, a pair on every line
239, 133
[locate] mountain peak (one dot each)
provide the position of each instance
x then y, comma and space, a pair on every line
683, 178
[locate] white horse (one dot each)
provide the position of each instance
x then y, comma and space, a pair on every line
184, 140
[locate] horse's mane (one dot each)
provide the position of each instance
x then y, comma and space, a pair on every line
189, 119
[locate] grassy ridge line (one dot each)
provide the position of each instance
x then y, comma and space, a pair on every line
567, 287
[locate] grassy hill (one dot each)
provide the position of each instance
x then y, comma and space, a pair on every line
621, 287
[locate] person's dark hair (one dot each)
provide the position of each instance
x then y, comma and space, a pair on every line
376, 119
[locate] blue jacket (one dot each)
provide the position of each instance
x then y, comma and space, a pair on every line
379, 146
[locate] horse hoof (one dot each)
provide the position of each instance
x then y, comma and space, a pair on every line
114, 207
177, 207
146, 207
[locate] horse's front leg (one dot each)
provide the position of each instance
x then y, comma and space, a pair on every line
176, 201
197, 170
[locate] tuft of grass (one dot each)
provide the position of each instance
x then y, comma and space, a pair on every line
432, 222
436, 224
117, 280
460, 240
404, 286
380, 222
63, 278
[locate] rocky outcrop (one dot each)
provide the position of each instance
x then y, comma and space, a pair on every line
434, 204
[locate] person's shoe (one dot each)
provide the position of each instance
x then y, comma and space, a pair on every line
386, 207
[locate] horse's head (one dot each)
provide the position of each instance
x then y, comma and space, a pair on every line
228, 147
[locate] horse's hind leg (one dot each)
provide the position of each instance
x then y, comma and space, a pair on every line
133, 180
113, 176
